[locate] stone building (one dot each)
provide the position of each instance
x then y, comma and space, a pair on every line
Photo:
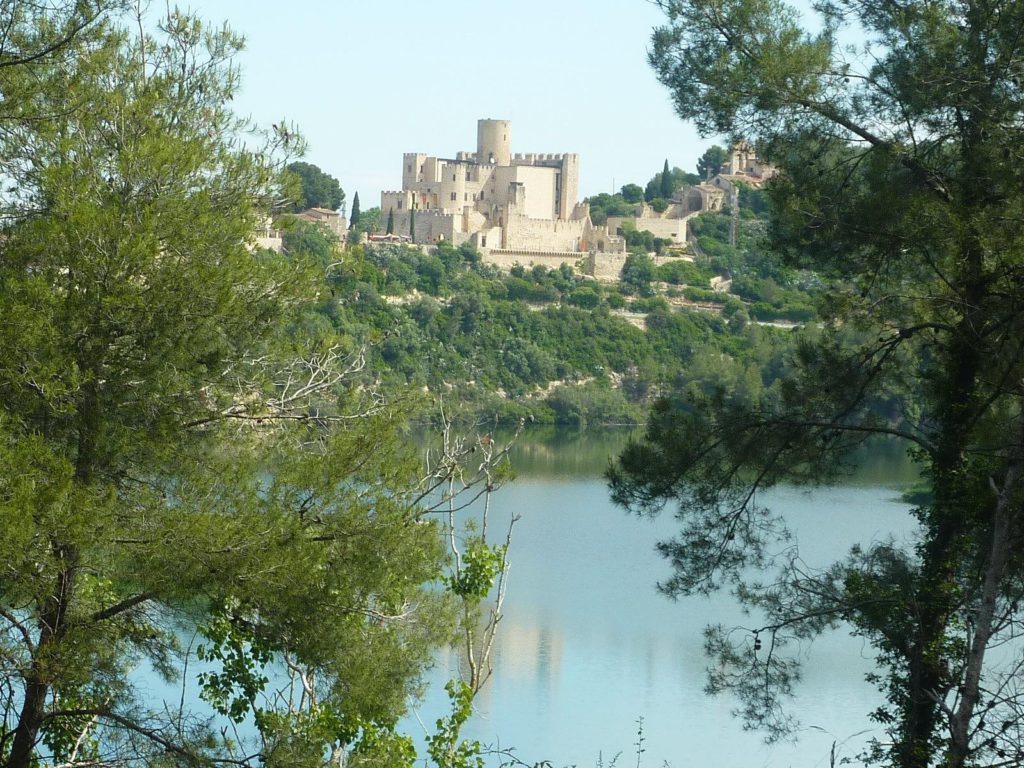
712, 195
503, 203
330, 221
267, 235
671, 224
745, 165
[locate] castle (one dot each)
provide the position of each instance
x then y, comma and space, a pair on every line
522, 204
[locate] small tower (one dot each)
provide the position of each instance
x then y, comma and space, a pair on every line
494, 142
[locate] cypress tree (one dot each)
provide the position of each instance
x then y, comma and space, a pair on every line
412, 224
391, 221
666, 182
355, 211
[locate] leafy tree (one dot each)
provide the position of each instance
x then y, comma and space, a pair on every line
604, 205
656, 186
369, 221
311, 241
319, 190
148, 382
712, 161
632, 193
914, 218
585, 297
637, 273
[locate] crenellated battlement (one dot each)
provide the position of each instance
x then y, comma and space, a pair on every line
544, 158
522, 200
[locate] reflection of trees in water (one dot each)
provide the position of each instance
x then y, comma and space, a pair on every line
558, 452
546, 452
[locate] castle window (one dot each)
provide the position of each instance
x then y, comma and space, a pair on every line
408, 169
467, 175
465, 197
483, 241
453, 196
399, 205
422, 167
453, 177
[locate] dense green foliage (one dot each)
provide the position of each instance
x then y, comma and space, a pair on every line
203, 445
632, 193
318, 189
626, 202
897, 186
658, 187
712, 161
604, 205
368, 223
155, 371
548, 345
308, 240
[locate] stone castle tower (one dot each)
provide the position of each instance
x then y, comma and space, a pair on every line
492, 197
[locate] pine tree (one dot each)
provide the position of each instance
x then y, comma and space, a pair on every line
144, 355
916, 223
318, 189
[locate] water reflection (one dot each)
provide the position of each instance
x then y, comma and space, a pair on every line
588, 646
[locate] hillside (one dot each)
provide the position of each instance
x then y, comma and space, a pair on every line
553, 345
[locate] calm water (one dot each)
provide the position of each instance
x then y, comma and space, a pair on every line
588, 646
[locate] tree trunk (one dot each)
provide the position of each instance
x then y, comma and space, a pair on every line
39, 680
984, 620
946, 524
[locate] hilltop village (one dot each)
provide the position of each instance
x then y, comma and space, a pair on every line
523, 208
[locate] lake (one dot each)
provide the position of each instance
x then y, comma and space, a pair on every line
587, 645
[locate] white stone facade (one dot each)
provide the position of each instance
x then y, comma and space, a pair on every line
496, 199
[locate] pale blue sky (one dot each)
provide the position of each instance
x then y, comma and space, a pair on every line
367, 80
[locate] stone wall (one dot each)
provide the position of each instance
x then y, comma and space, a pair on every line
431, 226
539, 187
668, 229
506, 259
525, 233
607, 267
